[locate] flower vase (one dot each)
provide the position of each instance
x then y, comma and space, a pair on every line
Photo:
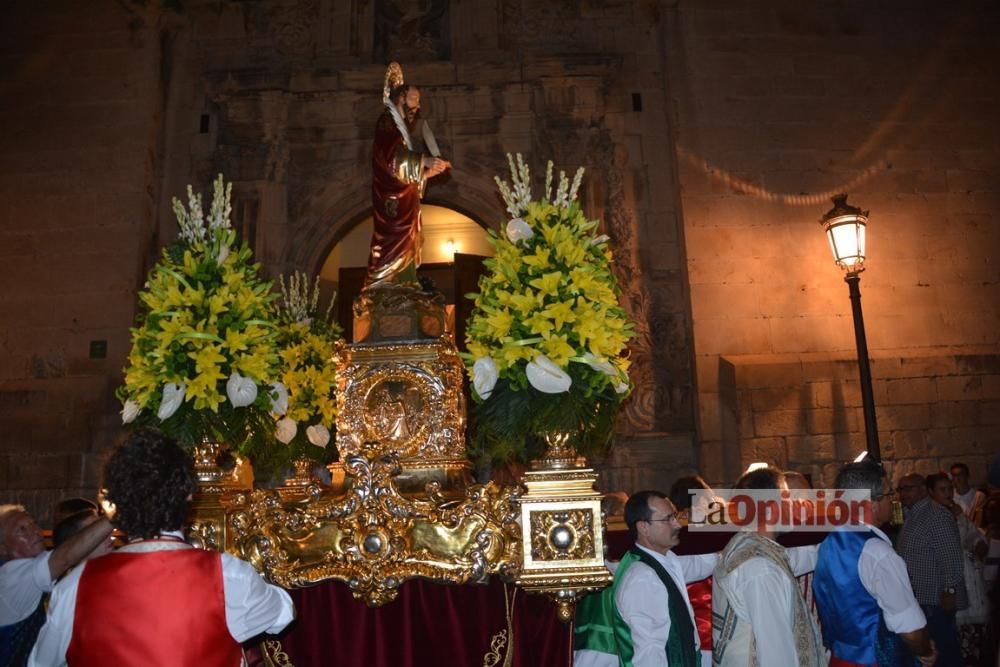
206, 462
302, 475
559, 453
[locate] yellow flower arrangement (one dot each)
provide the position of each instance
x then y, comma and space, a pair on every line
204, 342
547, 339
307, 343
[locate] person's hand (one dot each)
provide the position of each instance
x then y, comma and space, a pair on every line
435, 166
948, 601
929, 660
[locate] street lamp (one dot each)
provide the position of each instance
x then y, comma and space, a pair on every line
845, 230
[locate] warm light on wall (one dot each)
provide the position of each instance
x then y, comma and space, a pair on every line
450, 248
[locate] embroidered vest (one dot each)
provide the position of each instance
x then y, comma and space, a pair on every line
729, 632
599, 626
17, 639
853, 626
153, 609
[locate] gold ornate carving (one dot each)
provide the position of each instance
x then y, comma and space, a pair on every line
274, 654
563, 535
408, 397
374, 538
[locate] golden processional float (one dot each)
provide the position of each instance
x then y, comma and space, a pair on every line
403, 504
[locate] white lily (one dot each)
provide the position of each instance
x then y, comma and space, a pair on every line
223, 254
285, 430
546, 377
600, 364
518, 230
484, 376
241, 391
130, 411
598, 240
279, 399
621, 386
173, 396
318, 435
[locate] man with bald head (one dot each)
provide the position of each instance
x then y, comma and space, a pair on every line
930, 546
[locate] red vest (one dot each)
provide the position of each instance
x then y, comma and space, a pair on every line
153, 609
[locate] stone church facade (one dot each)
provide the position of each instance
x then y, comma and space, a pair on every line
713, 135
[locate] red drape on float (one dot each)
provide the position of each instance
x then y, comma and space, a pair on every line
428, 624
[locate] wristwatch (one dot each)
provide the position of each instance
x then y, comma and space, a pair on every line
950, 590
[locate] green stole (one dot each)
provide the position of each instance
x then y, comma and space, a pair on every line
599, 626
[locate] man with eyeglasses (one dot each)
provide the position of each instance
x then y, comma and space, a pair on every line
863, 594
644, 619
930, 545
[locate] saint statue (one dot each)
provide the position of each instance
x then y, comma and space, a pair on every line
400, 170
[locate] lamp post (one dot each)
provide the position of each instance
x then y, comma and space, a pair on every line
845, 229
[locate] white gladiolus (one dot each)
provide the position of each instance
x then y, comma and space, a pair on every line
223, 254
518, 230
546, 377
279, 399
318, 435
285, 430
241, 391
130, 411
173, 396
484, 376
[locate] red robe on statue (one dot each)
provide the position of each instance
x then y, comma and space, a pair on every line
155, 609
396, 179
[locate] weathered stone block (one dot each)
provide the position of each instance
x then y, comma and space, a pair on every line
769, 450
769, 374
733, 336
911, 390
954, 413
910, 444
780, 422
806, 449
822, 420
959, 387
903, 417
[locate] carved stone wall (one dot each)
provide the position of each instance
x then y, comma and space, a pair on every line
778, 107
282, 97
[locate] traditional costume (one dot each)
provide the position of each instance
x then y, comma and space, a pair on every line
645, 617
864, 598
159, 603
759, 615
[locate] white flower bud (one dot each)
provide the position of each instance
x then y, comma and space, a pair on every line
241, 391
545, 376
285, 430
130, 411
484, 376
173, 397
318, 435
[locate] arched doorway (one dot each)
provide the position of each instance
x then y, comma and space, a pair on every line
454, 246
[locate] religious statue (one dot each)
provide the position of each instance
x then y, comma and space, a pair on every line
399, 175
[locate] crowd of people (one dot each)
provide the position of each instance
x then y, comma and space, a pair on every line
875, 593
154, 601
922, 593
